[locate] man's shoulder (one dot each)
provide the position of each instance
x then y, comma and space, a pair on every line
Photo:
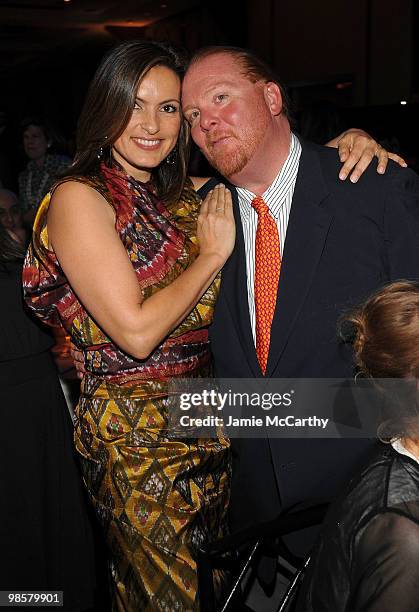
395, 177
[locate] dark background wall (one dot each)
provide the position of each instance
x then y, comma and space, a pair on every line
355, 61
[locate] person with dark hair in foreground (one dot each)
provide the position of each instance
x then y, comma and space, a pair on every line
115, 260
367, 555
46, 541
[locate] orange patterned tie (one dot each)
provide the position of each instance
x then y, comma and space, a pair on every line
267, 268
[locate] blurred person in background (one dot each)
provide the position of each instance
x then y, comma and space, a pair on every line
11, 216
43, 168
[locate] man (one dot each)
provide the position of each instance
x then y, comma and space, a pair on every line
342, 242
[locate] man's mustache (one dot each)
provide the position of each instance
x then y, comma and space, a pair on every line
212, 139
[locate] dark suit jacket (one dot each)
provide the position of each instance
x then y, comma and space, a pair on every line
343, 242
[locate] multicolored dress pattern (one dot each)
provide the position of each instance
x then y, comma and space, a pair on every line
159, 499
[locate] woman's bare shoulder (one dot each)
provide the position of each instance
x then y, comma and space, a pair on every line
73, 187
77, 202
77, 193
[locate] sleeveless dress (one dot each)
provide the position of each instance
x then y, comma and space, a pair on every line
159, 499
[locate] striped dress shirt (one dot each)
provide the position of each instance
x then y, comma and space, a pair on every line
278, 198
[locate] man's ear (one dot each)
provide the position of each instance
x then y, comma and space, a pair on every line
273, 97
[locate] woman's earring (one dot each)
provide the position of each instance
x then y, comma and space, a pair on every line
171, 158
101, 150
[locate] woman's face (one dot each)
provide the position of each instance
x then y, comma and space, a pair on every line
35, 142
154, 126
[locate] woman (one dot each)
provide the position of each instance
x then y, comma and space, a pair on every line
115, 260
43, 167
367, 556
137, 296
45, 537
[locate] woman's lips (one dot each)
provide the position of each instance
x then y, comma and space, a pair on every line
147, 144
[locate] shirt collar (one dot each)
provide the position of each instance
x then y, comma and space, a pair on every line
278, 190
400, 448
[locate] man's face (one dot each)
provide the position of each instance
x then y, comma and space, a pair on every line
228, 114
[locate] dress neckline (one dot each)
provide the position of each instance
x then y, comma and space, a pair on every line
119, 172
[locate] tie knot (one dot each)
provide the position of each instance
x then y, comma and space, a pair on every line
260, 206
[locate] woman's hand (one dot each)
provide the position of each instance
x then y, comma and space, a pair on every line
357, 149
216, 227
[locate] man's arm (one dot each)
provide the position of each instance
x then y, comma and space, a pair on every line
357, 149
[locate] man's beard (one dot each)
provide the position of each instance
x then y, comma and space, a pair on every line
232, 162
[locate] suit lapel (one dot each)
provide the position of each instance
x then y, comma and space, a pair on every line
234, 284
307, 230
234, 288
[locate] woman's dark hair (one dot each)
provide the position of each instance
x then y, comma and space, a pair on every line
10, 249
109, 105
386, 332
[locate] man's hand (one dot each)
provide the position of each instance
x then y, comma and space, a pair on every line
78, 361
357, 149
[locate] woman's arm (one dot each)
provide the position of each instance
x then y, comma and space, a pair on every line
357, 149
95, 262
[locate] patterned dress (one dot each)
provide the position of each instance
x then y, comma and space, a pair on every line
158, 499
